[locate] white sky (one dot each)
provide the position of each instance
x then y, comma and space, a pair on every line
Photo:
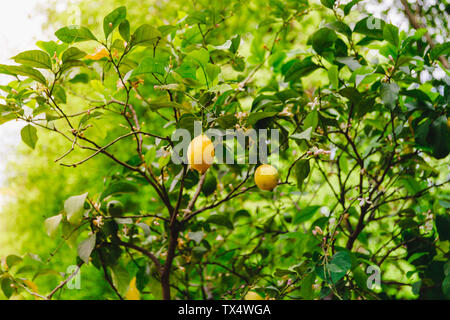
20, 28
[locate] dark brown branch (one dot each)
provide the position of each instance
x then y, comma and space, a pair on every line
107, 277
144, 252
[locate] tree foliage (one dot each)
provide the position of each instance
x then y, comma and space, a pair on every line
364, 153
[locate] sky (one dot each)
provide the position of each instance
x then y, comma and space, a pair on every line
20, 28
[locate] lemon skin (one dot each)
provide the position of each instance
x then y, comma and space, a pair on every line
200, 153
266, 177
252, 295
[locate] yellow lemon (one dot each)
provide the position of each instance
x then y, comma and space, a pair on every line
252, 295
133, 292
101, 53
266, 177
200, 153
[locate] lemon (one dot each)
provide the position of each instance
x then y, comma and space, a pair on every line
266, 177
133, 292
252, 295
200, 153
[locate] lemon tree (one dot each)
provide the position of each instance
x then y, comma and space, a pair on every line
362, 181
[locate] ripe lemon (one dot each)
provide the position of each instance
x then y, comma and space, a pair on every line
101, 53
252, 295
266, 177
200, 153
133, 292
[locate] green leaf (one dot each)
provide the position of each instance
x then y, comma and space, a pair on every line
442, 49
51, 47
306, 288
283, 272
51, 225
210, 185
443, 226
70, 233
7, 116
446, 286
120, 277
340, 27
350, 62
390, 34
212, 71
416, 256
119, 187
59, 94
200, 56
311, 120
196, 18
145, 35
124, 30
300, 69
439, 137
253, 118
305, 214
151, 65
220, 220
150, 155
74, 33
348, 7
241, 214
323, 40
74, 208
238, 64
113, 19
235, 42
444, 204
86, 247
301, 171
6, 286
34, 58
196, 236
29, 135
72, 53
71, 64
12, 260
360, 277
23, 71
305, 135
371, 27
389, 93
328, 3
337, 268
227, 121
80, 78
333, 76
164, 160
